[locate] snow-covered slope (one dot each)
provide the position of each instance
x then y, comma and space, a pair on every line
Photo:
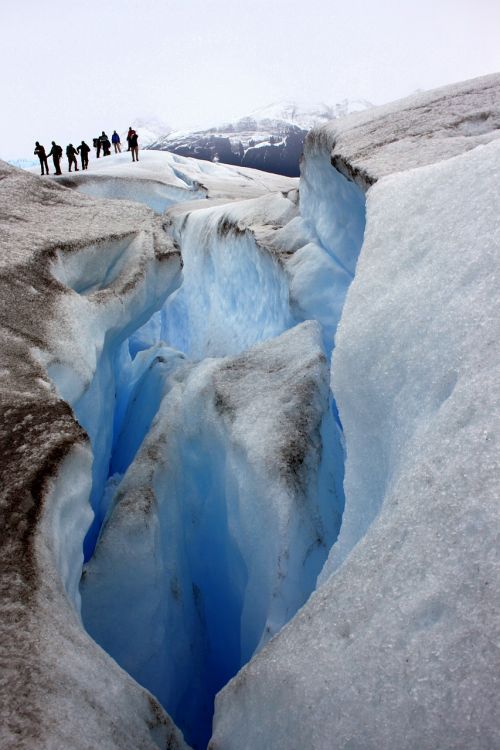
161, 180
419, 130
185, 351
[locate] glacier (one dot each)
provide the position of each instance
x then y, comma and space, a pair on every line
249, 438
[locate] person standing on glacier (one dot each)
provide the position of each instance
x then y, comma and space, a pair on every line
115, 140
105, 144
56, 153
129, 136
84, 151
71, 153
40, 152
134, 146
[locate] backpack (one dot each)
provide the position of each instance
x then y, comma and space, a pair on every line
58, 151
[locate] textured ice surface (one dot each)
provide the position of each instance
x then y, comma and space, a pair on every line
234, 291
216, 513
59, 690
398, 647
219, 529
162, 179
419, 130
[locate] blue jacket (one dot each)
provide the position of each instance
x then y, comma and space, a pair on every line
115, 138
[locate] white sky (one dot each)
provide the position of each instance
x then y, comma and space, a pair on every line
69, 70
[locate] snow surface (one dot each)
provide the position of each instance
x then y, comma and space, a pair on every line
161, 180
397, 649
419, 130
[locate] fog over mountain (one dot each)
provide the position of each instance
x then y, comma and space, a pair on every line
270, 138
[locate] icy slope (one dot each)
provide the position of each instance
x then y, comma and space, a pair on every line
419, 130
161, 180
397, 648
56, 682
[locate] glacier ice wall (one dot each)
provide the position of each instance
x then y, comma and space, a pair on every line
191, 631
215, 532
234, 294
396, 647
55, 679
409, 582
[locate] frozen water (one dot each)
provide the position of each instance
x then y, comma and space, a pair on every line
161, 180
396, 649
59, 689
218, 530
419, 130
220, 477
234, 292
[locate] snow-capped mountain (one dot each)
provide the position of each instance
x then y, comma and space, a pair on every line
307, 116
249, 443
270, 138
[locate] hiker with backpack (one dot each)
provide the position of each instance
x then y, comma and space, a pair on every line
84, 151
56, 153
105, 144
71, 153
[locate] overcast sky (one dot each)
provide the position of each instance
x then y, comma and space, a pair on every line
69, 70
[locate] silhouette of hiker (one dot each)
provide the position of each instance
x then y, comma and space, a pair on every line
105, 144
84, 151
56, 153
40, 152
71, 153
129, 136
134, 146
97, 145
115, 139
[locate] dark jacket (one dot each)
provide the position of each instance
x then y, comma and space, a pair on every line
71, 151
56, 151
83, 148
134, 140
40, 152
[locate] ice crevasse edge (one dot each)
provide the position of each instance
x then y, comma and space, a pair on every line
396, 649
246, 501
427, 623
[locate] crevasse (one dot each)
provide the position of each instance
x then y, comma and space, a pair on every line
208, 547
